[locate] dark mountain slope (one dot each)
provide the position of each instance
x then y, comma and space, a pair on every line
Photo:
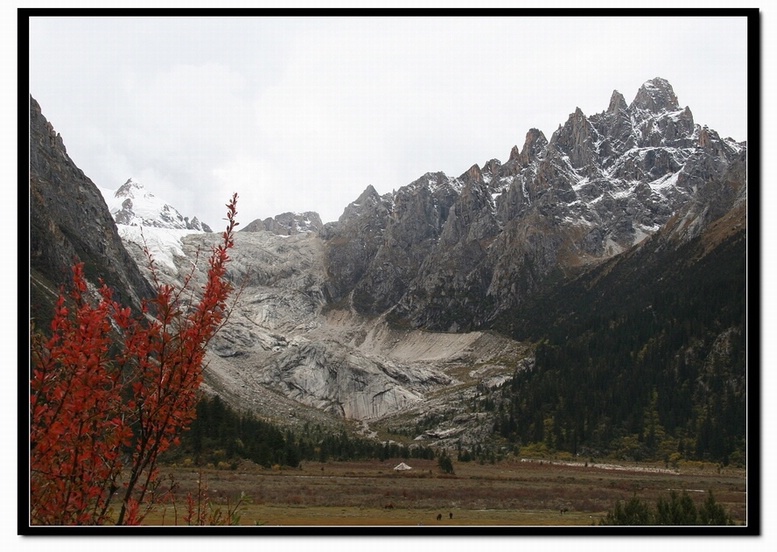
643, 356
69, 222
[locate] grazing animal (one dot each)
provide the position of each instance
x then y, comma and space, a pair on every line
450, 515
562, 511
439, 517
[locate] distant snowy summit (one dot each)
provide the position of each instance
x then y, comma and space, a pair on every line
133, 205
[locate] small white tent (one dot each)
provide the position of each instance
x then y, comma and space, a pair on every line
402, 467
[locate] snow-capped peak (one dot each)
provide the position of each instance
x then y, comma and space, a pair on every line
129, 187
133, 205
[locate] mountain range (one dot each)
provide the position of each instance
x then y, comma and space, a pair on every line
451, 254
474, 309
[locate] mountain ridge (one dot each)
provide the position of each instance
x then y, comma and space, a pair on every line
416, 306
600, 185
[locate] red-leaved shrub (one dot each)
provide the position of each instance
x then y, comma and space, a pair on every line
110, 391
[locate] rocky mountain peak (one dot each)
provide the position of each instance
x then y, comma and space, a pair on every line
656, 95
130, 188
706, 137
368, 202
617, 103
533, 147
288, 224
718, 148
575, 139
370, 194
515, 154
490, 168
473, 174
451, 253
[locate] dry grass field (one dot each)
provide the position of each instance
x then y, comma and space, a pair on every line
371, 493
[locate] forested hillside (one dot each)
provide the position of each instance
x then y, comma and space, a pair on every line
222, 437
643, 358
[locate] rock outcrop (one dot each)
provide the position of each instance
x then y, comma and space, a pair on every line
288, 224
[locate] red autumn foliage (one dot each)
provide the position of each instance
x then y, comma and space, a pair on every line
103, 409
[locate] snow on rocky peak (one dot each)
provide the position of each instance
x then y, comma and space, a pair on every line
133, 205
656, 95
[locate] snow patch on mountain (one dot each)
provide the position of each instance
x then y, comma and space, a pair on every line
164, 244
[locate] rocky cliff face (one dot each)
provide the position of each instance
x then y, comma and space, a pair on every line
287, 355
354, 240
69, 221
452, 253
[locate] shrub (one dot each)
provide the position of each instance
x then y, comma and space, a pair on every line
678, 509
445, 464
102, 407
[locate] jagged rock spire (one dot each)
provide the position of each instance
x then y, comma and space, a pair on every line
473, 174
575, 139
533, 146
617, 103
369, 193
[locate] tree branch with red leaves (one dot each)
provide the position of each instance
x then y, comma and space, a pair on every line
102, 408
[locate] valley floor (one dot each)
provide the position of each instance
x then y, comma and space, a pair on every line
508, 493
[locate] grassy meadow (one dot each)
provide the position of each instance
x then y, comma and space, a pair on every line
372, 493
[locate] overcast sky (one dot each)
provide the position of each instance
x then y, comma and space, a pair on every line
302, 113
